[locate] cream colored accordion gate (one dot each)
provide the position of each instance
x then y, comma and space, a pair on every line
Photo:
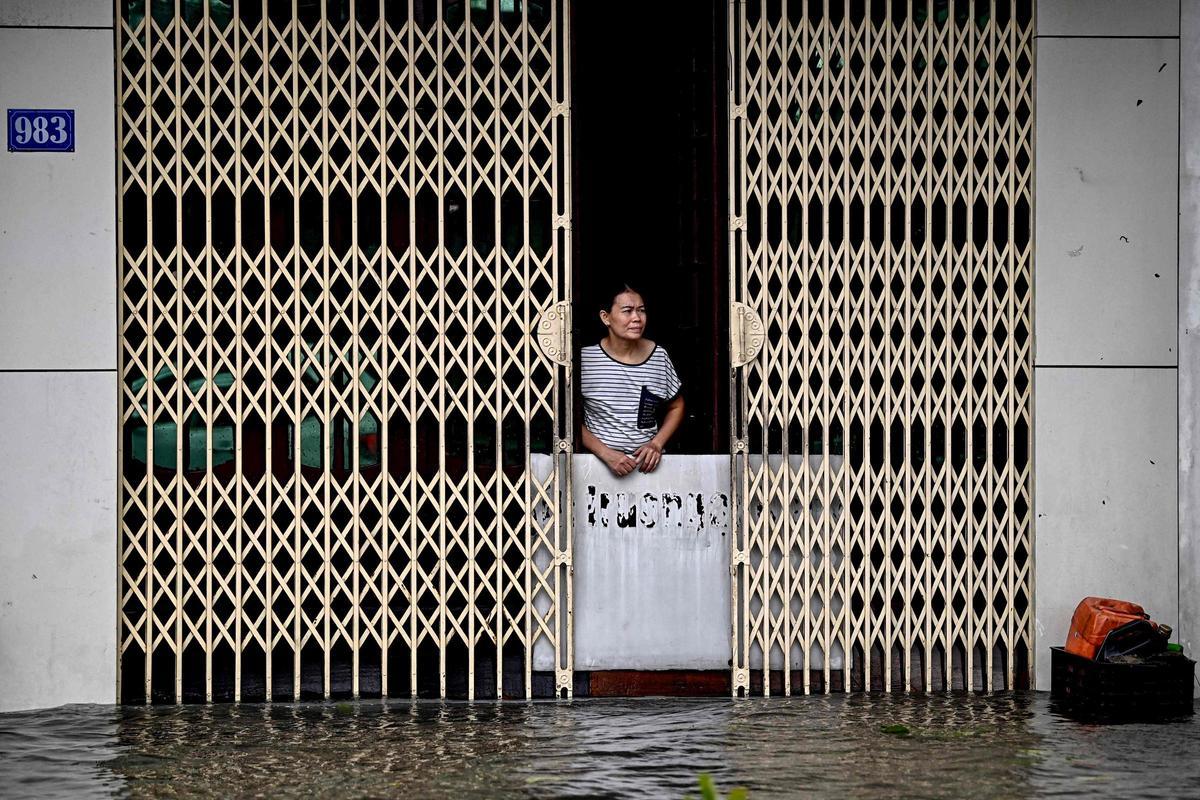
344, 458
880, 167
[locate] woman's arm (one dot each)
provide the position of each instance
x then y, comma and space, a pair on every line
618, 462
650, 454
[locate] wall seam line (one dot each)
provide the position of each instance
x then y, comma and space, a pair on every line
20, 370
1106, 366
1083, 36
1178, 320
57, 27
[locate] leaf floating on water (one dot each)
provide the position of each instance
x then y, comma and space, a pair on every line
708, 790
895, 729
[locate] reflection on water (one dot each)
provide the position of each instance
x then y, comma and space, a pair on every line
958, 746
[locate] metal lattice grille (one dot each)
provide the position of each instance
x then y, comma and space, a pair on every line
339, 223
881, 190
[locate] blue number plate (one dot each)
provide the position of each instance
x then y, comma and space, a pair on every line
33, 130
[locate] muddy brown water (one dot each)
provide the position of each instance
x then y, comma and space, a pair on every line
1007, 745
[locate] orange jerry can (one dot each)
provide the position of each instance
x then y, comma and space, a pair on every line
1094, 618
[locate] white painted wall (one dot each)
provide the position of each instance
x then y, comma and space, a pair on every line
72, 13
1106, 311
1138, 18
57, 538
1189, 329
1107, 147
1104, 526
58, 364
57, 287
652, 577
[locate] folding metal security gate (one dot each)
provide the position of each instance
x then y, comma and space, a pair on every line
880, 250
344, 458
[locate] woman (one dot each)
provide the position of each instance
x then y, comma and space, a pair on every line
626, 380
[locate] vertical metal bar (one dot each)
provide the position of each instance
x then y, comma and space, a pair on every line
501, 631
268, 256
972, 526
1029, 93
990, 260
326, 354
385, 434
414, 475
299, 358
209, 372
526, 319
355, 360
871, 625
1010, 410
439, 33
177, 368
907, 261
562, 160
826, 262
739, 466
239, 333
119, 47
950, 481
470, 267
152, 372
795, 495
927, 633
889, 642
848, 530
793, 487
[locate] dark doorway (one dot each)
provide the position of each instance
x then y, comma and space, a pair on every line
648, 151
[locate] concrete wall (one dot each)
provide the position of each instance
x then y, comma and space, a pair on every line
1189, 328
58, 383
1106, 297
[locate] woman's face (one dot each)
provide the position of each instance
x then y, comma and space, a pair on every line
627, 317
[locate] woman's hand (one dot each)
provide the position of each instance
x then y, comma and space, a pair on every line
648, 456
620, 464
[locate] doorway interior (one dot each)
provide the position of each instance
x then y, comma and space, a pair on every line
648, 176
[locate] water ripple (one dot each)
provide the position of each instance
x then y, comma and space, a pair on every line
956, 746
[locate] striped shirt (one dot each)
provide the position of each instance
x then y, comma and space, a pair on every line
620, 400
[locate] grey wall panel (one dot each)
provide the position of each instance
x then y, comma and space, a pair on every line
1105, 495
1108, 18
57, 210
89, 13
1107, 150
1189, 332
58, 539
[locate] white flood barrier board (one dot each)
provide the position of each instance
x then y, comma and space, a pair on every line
652, 565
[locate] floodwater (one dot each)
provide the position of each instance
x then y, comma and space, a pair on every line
1007, 745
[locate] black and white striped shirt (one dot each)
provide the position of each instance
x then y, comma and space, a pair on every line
620, 400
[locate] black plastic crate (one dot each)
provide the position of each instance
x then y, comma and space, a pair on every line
1154, 688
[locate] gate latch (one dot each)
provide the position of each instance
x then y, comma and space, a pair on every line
746, 334
554, 333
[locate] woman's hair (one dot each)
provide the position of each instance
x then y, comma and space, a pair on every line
607, 295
